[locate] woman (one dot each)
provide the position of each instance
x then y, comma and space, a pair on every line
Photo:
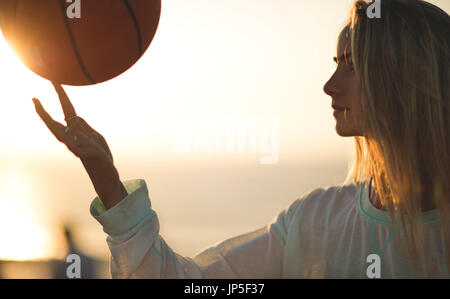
390, 92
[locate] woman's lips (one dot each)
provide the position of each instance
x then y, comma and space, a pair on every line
338, 110
337, 113
337, 107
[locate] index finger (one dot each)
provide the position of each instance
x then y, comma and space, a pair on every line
67, 107
55, 127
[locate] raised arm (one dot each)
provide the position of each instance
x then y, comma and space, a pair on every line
89, 146
125, 212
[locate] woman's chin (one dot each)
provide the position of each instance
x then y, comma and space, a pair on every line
344, 131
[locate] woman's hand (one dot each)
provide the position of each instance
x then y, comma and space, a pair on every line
88, 145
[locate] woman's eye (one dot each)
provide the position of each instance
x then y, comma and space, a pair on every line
349, 64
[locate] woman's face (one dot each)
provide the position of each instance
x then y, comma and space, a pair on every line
344, 89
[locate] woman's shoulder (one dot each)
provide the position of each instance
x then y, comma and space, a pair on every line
329, 200
332, 193
322, 207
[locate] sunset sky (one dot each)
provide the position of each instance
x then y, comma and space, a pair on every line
210, 61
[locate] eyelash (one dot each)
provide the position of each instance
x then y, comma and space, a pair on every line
351, 67
349, 64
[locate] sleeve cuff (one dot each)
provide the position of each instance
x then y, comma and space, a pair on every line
128, 213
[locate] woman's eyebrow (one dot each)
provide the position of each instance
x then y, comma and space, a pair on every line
344, 57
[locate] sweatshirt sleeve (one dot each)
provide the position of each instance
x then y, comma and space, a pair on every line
138, 251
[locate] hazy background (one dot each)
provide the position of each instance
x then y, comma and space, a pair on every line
210, 60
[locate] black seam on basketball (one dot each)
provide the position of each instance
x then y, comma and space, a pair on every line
136, 25
74, 44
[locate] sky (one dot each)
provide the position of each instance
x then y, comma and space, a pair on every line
256, 63
217, 60
209, 60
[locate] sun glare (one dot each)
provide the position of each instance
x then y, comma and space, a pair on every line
24, 237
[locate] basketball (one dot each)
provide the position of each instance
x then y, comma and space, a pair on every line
79, 42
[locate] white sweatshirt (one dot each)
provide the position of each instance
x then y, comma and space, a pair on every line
330, 232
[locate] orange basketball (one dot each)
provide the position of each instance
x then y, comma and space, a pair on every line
79, 42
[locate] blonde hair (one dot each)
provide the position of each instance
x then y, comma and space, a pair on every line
402, 60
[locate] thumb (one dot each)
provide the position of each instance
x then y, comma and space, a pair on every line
55, 127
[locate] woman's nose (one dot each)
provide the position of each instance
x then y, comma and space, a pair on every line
330, 88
